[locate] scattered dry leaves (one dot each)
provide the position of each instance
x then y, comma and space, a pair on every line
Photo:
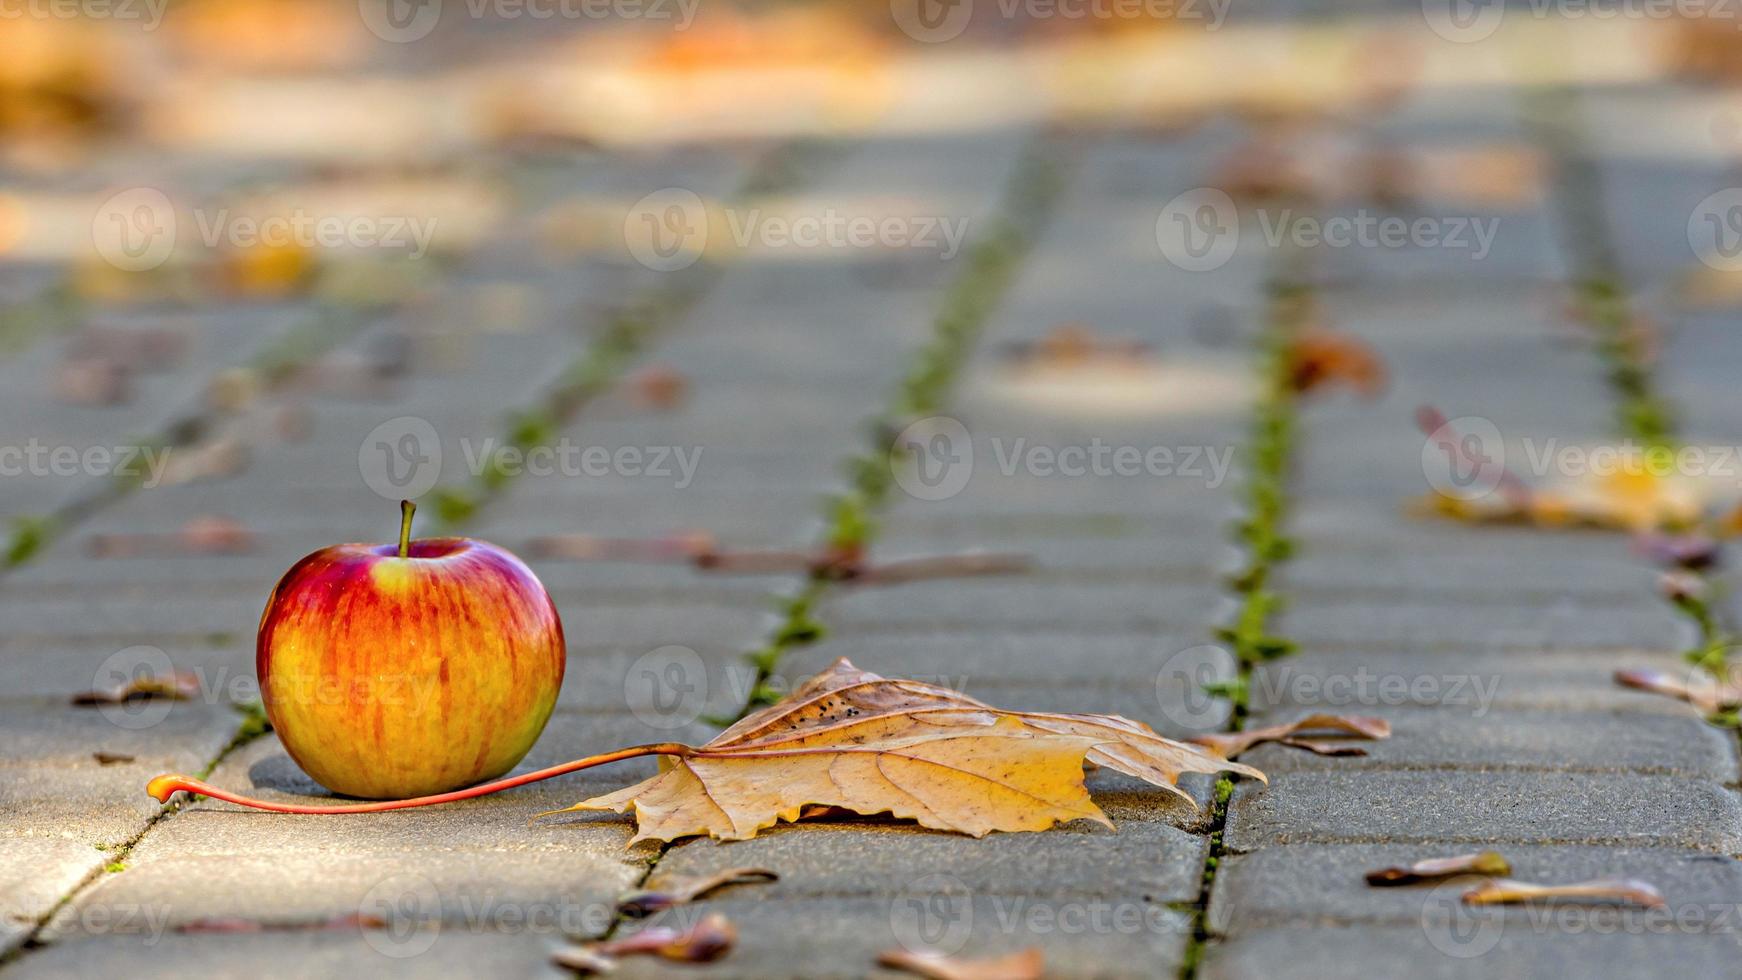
1481, 863
1231, 744
1024, 965
868, 744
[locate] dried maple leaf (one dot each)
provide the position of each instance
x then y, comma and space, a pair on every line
1232, 744
1027, 964
868, 744
851, 739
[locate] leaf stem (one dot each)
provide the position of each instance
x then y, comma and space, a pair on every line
163, 787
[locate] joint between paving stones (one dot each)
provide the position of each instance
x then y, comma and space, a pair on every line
626, 336
1262, 534
1027, 205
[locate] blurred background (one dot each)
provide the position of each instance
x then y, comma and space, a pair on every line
709, 307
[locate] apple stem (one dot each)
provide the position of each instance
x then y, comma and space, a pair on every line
163, 787
406, 509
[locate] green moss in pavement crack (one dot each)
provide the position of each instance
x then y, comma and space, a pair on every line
1261, 533
623, 338
29, 536
989, 268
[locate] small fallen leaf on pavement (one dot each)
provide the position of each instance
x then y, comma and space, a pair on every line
1698, 689
208, 534
1692, 552
111, 758
1319, 358
679, 891
707, 940
1024, 965
1638, 492
176, 686
227, 924
1317, 747
852, 739
1481, 863
1504, 891
1231, 744
658, 387
1076, 345
679, 546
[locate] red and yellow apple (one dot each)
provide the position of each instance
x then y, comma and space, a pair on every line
394, 671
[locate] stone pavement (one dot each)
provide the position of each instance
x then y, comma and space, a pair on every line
1489, 650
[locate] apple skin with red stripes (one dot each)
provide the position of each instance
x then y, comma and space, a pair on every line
388, 677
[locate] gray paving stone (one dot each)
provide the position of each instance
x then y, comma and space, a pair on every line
1484, 808
1515, 954
1113, 936
130, 944
214, 860
1423, 626
1308, 884
1572, 680
35, 873
1469, 738
1011, 603
856, 858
